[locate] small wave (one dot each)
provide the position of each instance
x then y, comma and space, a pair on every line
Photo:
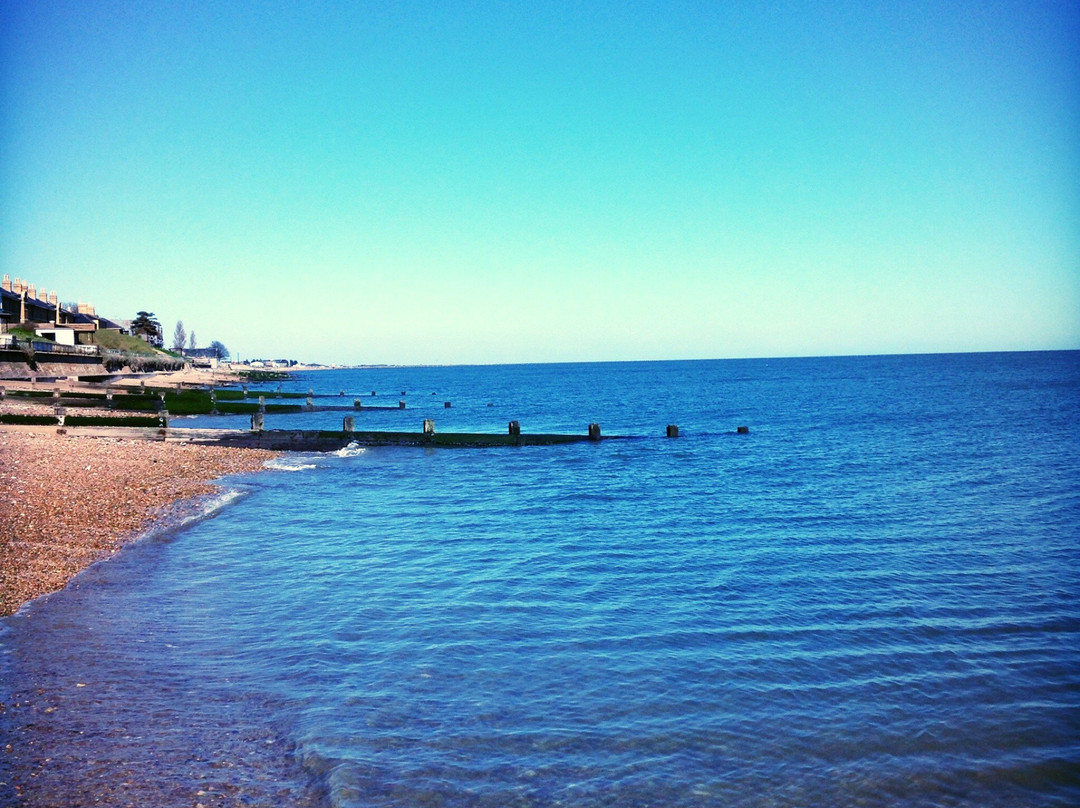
185, 512
352, 450
289, 464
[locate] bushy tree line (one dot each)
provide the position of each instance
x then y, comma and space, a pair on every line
116, 361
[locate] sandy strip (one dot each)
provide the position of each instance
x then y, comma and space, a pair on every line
66, 502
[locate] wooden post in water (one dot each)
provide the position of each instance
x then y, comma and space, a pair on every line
61, 413
429, 426
514, 428
257, 422
262, 403
357, 404
594, 431
401, 405
446, 405
349, 425
743, 430
672, 431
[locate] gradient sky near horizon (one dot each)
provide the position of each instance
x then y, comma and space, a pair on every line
467, 182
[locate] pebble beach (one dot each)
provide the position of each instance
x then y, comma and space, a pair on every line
67, 502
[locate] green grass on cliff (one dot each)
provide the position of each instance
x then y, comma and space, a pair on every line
122, 342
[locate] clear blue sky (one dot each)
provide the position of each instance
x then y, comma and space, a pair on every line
502, 182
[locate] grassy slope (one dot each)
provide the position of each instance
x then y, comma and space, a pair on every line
123, 342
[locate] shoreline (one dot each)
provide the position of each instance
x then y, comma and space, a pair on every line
67, 502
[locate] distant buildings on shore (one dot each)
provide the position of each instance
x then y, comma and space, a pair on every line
268, 363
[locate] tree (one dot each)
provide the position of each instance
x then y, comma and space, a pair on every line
191, 344
220, 351
145, 325
179, 337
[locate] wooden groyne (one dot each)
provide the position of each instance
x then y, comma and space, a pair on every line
304, 440
311, 440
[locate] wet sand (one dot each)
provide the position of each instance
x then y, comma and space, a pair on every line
66, 502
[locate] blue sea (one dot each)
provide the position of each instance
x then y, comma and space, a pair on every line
870, 599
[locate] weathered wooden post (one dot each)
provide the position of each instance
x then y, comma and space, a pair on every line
262, 403
743, 430
594, 431
245, 391
514, 428
179, 386
372, 392
446, 405
348, 425
61, 413
358, 404
163, 419
310, 401
108, 398
257, 422
55, 395
213, 401
401, 405
1, 392
672, 431
429, 427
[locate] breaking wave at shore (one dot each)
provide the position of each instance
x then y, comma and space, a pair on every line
306, 461
186, 512
289, 463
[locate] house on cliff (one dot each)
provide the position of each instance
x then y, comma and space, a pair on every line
22, 304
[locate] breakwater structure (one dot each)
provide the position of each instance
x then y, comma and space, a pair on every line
310, 440
143, 413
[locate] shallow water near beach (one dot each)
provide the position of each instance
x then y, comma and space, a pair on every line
870, 599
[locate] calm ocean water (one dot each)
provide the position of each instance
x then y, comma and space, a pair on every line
871, 599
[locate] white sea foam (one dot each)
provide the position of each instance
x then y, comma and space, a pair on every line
352, 450
289, 464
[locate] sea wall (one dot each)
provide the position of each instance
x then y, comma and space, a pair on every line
14, 365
